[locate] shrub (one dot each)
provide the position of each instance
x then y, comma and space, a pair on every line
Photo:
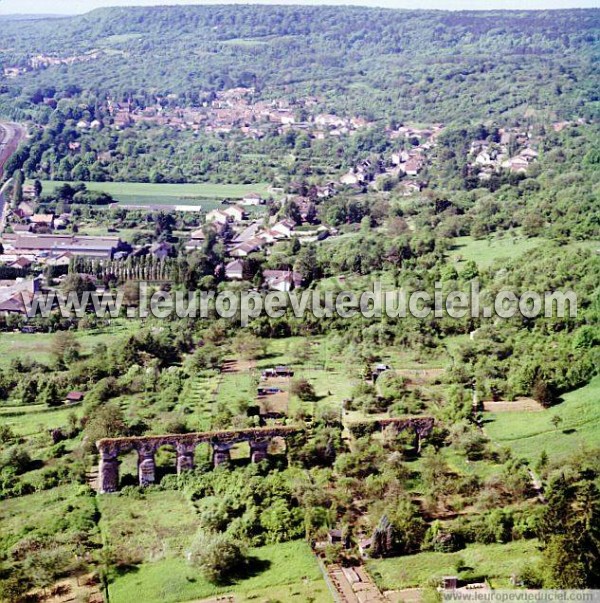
217, 556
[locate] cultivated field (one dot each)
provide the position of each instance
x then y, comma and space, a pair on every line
141, 193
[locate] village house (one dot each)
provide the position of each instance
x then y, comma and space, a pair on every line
28, 191
21, 263
198, 235
484, 158
411, 187
413, 166
194, 245
517, 165
322, 192
217, 216
24, 210
161, 251
400, 157
61, 260
74, 398
352, 177
282, 280
15, 297
252, 199
284, 227
236, 270
42, 222
236, 213
270, 236
529, 154
328, 120
245, 249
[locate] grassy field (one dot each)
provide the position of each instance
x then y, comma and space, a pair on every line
528, 434
32, 423
484, 252
280, 572
42, 514
38, 346
496, 562
148, 527
141, 193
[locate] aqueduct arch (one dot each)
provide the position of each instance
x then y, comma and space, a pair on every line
185, 446
221, 442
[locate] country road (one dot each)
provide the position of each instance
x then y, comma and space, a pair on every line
10, 136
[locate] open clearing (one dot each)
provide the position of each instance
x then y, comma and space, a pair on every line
279, 572
143, 193
484, 252
39, 345
518, 405
527, 434
497, 562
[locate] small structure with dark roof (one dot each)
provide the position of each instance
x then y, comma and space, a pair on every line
74, 398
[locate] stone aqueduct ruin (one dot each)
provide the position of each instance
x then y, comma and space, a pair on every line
221, 442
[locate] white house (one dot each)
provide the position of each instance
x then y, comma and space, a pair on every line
236, 213
216, 216
235, 270
282, 280
252, 199
284, 227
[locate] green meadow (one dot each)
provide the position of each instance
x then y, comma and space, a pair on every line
496, 562
38, 346
144, 193
527, 434
484, 252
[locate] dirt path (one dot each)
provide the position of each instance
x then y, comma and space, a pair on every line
238, 366
518, 405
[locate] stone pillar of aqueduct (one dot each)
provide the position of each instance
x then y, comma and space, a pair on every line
221, 442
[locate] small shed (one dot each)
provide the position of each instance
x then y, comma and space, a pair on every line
449, 582
75, 397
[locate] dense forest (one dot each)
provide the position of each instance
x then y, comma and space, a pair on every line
418, 65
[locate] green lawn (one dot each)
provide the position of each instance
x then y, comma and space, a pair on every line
496, 562
484, 252
141, 193
280, 572
528, 434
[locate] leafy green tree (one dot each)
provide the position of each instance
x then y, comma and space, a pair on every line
17, 190
304, 390
218, 557
50, 395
